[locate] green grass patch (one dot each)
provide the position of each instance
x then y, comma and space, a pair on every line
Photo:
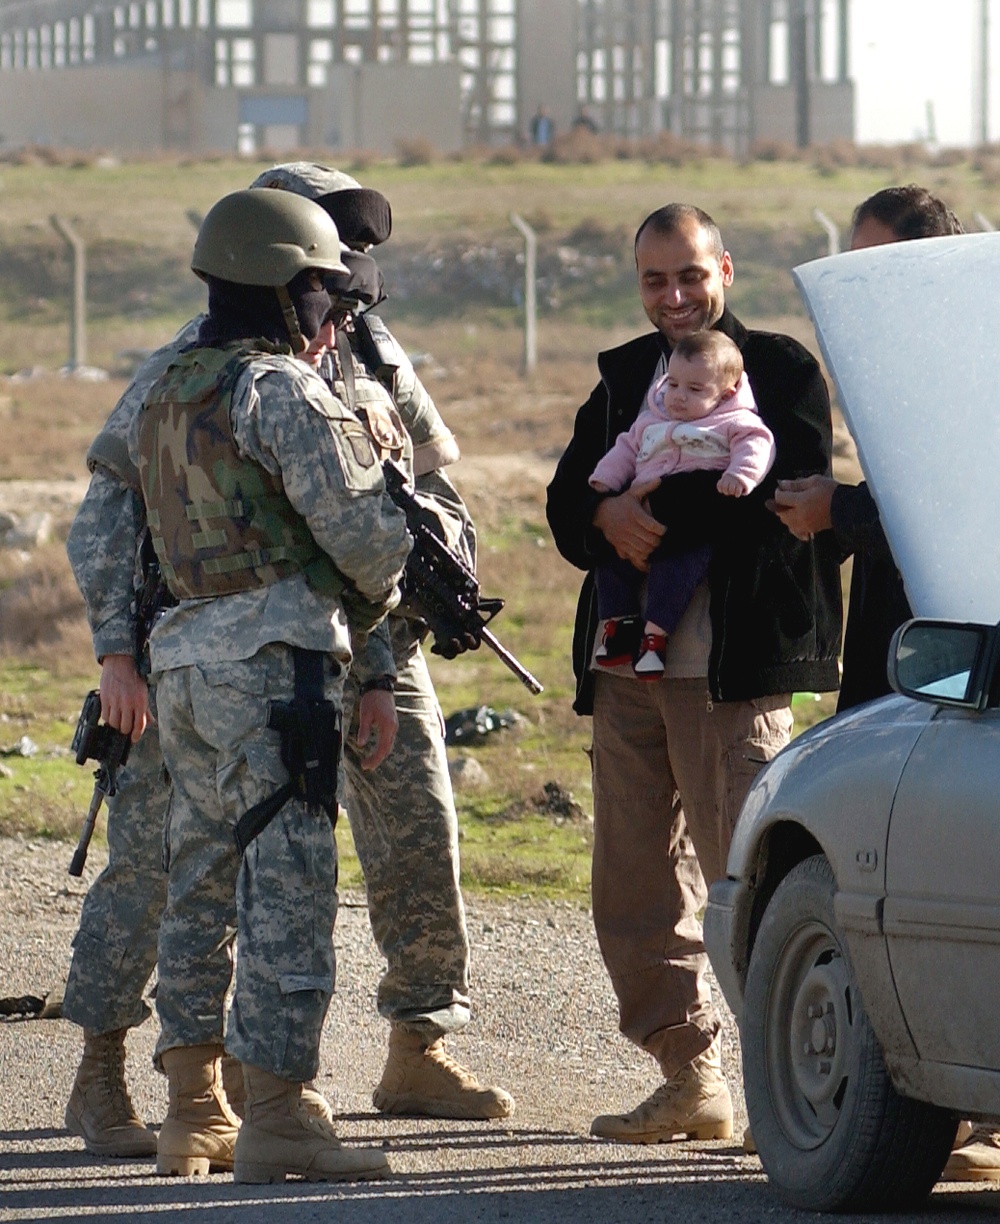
46, 794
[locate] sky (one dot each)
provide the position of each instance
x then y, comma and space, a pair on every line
905, 53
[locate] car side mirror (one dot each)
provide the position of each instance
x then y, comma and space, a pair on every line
943, 662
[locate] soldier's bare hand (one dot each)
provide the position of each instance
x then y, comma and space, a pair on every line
377, 727
124, 696
628, 526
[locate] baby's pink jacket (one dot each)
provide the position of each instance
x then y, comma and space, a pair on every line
732, 438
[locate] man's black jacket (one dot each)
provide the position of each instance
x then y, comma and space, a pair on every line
775, 601
878, 603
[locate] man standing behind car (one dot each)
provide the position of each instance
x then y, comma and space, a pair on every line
878, 603
672, 760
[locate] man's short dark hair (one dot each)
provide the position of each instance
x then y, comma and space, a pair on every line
717, 349
910, 212
668, 220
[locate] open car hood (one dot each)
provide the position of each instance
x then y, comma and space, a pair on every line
909, 332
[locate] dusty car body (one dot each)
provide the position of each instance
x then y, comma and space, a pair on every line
857, 934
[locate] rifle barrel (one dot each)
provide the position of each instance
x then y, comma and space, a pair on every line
86, 833
504, 655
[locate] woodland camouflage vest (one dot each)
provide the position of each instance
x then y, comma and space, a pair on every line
220, 523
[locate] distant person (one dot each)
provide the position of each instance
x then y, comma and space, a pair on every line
583, 121
700, 416
542, 128
878, 603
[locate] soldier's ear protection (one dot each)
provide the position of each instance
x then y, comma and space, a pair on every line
363, 216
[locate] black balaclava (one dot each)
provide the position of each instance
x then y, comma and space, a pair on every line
360, 287
246, 312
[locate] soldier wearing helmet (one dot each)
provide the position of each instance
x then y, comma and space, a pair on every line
403, 814
268, 515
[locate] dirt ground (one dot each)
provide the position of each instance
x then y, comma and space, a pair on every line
544, 1027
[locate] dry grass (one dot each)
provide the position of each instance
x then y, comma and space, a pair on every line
53, 420
42, 619
448, 213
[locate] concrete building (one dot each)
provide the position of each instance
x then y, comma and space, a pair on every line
207, 75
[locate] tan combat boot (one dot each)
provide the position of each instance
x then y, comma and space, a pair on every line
100, 1110
199, 1132
282, 1135
236, 1092
424, 1080
977, 1159
694, 1104
233, 1085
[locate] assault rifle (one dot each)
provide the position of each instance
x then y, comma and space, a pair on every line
96, 741
441, 588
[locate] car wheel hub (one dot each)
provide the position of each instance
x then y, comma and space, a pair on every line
809, 1034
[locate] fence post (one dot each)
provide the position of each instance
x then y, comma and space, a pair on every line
78, 306
530, 292
832, 232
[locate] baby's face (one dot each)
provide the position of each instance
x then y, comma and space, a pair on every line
693, 388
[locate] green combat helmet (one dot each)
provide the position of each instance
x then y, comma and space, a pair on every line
266, 238
261, 237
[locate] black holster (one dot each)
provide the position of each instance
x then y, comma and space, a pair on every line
310, 731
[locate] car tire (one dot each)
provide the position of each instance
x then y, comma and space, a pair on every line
831, 1131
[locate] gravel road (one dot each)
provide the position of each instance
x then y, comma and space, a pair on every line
545, 1028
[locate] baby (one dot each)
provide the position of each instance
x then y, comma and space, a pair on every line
700, 415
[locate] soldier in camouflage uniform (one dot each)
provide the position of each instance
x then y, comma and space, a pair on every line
114, 950
269, 518
402, 815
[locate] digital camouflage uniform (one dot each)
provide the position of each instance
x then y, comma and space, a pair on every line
114, 950
218, 661
402, 814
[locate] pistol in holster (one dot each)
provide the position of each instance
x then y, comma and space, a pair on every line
309, 727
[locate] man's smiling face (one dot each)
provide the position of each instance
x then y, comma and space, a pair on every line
682, 280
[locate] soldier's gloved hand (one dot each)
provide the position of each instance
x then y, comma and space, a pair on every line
449, 647
451, 637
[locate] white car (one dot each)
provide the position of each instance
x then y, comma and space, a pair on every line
857, 934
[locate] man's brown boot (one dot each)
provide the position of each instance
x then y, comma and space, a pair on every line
694, 1104
199, 1133
100, 1110
282, 1135
978, 1159
423, 1079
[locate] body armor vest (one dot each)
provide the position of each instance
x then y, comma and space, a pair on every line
220, 523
